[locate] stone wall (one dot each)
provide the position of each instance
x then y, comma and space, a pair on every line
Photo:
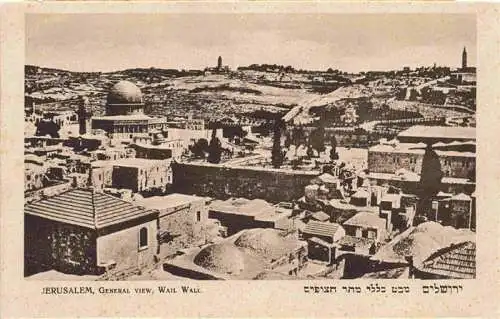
141, 178
102, 176
273, 185
458, 166
180, 226
63, 247
385, 162
122, 247
451, 166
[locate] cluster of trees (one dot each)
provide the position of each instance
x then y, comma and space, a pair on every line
433, 72
315, 142
433, 96
267, 67
48, 127
211, 151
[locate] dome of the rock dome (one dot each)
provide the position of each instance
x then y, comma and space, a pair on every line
124, 92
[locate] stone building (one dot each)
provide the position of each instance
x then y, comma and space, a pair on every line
457, 211
181, 219
34, 172
364, 231
141, 175
82, 231
239, 213
101, 174
322, 238
135, 174
168, 149
458, 159
435, 134
366, 225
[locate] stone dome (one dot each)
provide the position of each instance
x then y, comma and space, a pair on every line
124, 92
267, 243
221, 258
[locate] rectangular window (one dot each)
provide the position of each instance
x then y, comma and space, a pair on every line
143, 238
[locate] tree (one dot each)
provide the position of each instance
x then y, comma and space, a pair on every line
199, 148
298, 136
310, 152
276, 153
317, 139
47, 127
430, 178
333, 150
288, 140
214, 149
472, 175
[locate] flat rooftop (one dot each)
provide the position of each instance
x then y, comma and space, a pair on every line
444, 132
243, 206
419, 148
162, 146
132, 117
416, 178
137, 162
168, 201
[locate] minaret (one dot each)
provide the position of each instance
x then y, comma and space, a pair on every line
83, 114
219, 63
464, 59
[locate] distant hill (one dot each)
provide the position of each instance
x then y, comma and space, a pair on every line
34, 69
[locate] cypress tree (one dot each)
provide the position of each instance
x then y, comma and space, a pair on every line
214, 149
333, 150
276, 153
430, 178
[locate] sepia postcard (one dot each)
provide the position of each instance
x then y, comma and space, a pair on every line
249, 159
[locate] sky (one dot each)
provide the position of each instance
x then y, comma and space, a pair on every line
349, 42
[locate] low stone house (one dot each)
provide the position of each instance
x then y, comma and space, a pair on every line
82, 231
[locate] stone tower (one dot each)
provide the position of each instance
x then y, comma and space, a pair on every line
219, 63
464, 59
83, 115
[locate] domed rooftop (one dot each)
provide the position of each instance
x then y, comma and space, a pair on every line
271, 275
221, 258
267, 243
124, 92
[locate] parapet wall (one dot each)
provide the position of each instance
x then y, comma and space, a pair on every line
219, 181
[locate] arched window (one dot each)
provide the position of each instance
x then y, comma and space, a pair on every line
198, 216
143, 238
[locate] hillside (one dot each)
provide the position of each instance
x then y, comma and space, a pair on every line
247, 92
